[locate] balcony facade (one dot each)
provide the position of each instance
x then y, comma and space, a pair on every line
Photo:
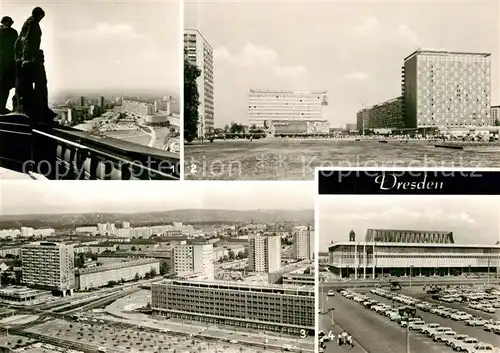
63, 153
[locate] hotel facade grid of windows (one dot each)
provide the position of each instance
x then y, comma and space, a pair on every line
289, 111
388, 114
372, 258
446, 89
201, 54
48, 265
270, 308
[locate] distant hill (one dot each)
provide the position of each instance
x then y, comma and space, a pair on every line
191, 216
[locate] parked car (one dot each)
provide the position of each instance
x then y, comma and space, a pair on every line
444, 337
452, 340
467, 343
476, 321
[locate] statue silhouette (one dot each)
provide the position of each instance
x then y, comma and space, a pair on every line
8, 37
31, 83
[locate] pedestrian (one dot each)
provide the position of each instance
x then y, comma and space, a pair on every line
8, 37
339, 340
349, 341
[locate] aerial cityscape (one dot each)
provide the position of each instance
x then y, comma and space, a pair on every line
411, 274
106, 73
395, 90
227, 272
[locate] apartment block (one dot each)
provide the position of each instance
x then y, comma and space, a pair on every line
99, 276
264, 253
193, 260
301, 243
200, 53
49, 265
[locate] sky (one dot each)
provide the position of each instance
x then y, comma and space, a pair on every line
38, 197
352, 49
96, 45
472, 219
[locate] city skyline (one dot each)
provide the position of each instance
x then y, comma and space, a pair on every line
107, 46
361, 68
472, 219
81, 197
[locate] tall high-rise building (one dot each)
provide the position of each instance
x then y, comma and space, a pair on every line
100, 101
288, 111
446, 89
82, 101
301, 243
264, 253
193, 260
49, 265
201, 54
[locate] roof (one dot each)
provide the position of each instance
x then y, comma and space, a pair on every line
409, 236
409, 245
278, 288
256, 90
445, 52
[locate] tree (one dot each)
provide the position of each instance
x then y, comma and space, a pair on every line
191, 99
152, 273
230, 254
164, 268
237, 128
497, 122
245, 253
137, 277
133, 248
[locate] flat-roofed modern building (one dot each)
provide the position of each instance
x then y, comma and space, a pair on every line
287, 309
99, 276
49, 266
495, 115
264, 253
288, 111
388, 114
446, 89
193, 260
201, 54
414, 253
302, 243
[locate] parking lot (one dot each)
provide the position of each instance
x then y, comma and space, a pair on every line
115, 338
375, 332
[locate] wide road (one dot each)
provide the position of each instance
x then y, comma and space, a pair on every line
373, 333
456, 326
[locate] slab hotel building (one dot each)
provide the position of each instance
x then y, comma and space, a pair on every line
439, 89
285, 112
278, 308
409, 252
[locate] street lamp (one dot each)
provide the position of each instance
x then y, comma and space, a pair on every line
406, 314
411, 268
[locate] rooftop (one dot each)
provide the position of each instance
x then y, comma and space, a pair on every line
421, 51
256, 90
423, 245
240, 285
